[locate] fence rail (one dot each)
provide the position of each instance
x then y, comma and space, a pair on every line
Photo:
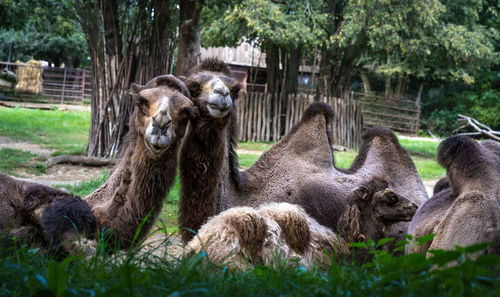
266, 117
398, 114
59, 85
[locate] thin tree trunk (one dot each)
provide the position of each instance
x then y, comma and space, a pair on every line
189, 48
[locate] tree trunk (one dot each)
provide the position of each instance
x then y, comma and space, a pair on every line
273, 72
292, 73
121, 55
189, 48
366, 83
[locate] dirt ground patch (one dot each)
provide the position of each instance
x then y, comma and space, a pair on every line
55, 175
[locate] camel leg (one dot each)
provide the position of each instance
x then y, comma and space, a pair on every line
470, 220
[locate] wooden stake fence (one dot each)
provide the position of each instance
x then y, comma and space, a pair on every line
264, 117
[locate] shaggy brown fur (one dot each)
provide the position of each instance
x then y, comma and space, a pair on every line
48, 216
285, 230
203, 149
135, 192
242, 236
373, 209
298, 169
467, 211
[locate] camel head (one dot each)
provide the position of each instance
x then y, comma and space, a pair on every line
162, 111
211, 88
371, 209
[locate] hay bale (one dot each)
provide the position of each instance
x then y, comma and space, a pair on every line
29, 77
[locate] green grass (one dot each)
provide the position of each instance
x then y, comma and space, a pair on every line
255, 146
60, 130
28, 273
12, 159
422, 148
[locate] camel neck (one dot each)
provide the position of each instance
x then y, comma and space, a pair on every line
135, 191
202, 156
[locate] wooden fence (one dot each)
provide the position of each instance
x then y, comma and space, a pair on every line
60, 85
264, 117
397, 114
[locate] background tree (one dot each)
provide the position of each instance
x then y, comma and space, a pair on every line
39, 29
128, 42
284, 30
189, 48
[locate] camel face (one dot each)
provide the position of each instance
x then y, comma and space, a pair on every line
163, 110
213, 93
391, 207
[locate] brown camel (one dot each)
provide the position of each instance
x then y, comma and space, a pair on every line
133, 195
464, 209
30, 212
243, 235
299, 169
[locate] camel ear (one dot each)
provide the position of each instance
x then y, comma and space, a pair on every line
194, 87
361, 193
136, 89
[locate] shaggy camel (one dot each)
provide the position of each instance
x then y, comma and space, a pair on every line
299, 169
134, 194
464, 209
245, 235
30, 212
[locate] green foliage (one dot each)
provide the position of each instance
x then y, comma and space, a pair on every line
40, 29
289, 24
27, 272
480, 101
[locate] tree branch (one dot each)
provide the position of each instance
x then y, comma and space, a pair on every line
479, 127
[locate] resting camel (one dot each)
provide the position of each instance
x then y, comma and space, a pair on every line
464, 209
299, 169
31, 212
243, 235
133, 195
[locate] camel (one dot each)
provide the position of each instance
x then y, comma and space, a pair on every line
464, 208
242, 236
128, 203
132, 197
299, 169
31, 212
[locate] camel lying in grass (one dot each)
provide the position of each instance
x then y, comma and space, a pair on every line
242, 236
465, 207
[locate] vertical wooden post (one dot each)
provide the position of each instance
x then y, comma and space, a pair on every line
83, 85
64, 85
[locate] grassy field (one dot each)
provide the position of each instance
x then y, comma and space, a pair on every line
65, 131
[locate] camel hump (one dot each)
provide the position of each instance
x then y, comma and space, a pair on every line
318, 108
212, 64
463, 156
380, 132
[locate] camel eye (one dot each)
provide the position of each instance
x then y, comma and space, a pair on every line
392, 198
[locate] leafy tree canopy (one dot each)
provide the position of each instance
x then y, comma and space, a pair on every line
40, 29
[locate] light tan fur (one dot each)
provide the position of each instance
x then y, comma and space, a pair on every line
269, 228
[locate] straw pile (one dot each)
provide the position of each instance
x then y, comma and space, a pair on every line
29, 77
